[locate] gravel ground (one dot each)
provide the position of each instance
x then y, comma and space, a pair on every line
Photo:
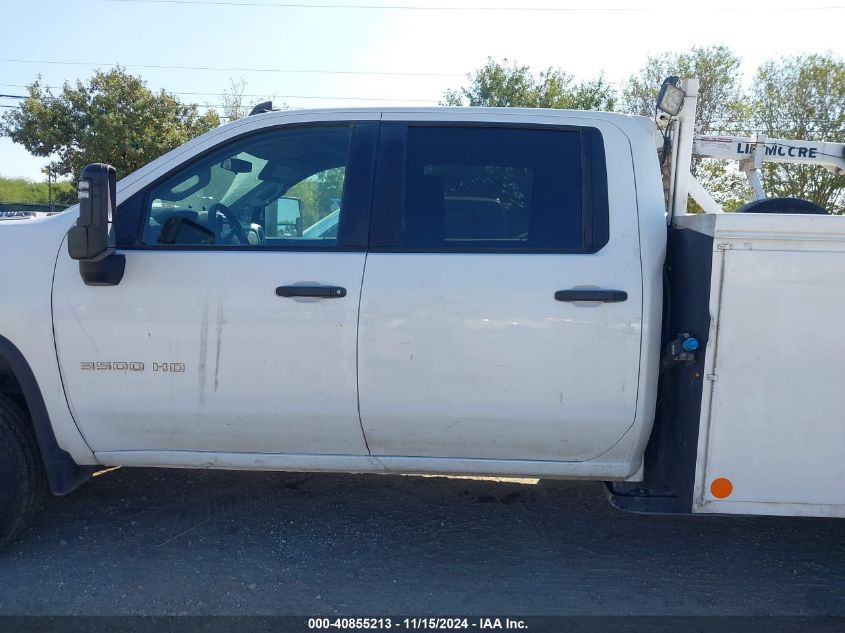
141, 541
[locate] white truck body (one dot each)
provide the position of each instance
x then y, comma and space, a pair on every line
773, 412
448, 362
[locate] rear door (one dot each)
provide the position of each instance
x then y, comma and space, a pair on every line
501, 309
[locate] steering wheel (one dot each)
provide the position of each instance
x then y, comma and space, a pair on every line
226, 212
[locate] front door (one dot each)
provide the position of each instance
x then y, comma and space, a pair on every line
214, 340
501, 310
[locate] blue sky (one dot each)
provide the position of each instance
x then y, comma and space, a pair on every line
441, 46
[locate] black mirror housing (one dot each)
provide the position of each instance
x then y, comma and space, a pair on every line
90, 239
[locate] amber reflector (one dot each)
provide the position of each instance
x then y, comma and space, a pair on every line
721, 488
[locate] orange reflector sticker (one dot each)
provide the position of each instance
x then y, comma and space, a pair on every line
721, 488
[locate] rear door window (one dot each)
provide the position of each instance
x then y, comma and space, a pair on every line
501, 189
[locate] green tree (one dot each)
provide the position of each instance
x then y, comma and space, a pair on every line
721, 101
112, 118
721, 107
507, 84
802, 97
319, 194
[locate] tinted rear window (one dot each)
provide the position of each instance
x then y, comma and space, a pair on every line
470, 188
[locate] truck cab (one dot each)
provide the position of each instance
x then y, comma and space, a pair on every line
467, 332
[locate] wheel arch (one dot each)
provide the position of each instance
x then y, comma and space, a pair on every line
63, 473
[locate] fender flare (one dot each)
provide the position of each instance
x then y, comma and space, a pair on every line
63, 473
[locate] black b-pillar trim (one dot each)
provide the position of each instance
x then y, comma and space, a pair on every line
670, 457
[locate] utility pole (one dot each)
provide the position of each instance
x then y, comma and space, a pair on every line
50, 188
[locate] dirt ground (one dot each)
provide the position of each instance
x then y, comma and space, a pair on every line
211, 542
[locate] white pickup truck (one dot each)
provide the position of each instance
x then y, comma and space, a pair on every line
468, 291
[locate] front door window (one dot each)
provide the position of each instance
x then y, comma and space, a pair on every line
277, 189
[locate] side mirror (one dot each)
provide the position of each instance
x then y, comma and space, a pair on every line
281, 218
90, 241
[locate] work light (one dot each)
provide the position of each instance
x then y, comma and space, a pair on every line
671, 97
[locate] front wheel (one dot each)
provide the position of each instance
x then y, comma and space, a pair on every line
23, 482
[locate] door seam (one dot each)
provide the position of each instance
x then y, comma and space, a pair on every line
358, 355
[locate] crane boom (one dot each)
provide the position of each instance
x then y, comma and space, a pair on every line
740, 148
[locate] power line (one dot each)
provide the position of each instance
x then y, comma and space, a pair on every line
715, 122
741, 128
326, 97
260, 96
408, 7
256, 70
740, 125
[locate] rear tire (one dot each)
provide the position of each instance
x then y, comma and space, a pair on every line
783, 205
23, 482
